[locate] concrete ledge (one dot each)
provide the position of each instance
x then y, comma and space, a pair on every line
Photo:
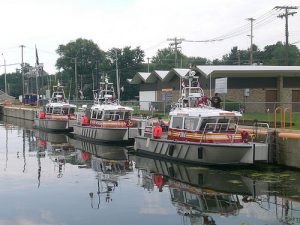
19, 112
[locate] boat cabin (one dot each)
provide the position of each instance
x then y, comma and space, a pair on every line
202, 123
60, 109
113, 115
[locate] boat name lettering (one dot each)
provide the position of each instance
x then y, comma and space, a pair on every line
226, 114
182, 114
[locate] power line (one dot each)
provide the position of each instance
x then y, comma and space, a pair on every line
260, 21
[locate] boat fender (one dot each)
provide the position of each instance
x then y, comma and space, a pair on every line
157, 132
42, 115
245, 136
84, 121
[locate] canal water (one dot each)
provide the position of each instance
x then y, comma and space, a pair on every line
49, 179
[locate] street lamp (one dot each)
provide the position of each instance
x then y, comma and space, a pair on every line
5, 88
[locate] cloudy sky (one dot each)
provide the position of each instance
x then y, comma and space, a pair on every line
144, 23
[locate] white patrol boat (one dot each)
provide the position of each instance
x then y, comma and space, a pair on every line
201, 134
107, 120
58, 114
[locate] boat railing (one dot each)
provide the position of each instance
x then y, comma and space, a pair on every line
261, 132
227, 128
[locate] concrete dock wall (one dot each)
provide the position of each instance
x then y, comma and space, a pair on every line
288, 153
19, 112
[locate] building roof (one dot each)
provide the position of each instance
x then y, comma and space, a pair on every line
217, 71
176, 72
157, 74
248, 71
139, 77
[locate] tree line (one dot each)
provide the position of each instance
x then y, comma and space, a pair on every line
91, 62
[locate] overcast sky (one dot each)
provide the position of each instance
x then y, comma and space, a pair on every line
144, 23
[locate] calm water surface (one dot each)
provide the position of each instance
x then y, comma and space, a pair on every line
53, 179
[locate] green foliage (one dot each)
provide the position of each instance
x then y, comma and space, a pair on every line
90, 59
271, 55
129, 63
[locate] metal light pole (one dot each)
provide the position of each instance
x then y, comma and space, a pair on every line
5, 88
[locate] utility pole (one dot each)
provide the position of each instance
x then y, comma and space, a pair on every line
148, 63
286, 15
251, 40
5, 88
176, 42
22, 71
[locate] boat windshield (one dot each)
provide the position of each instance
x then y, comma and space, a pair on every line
177, 122
65, 111
72, 111
56, 110
191, 123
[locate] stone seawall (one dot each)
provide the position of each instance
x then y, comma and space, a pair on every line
19, 112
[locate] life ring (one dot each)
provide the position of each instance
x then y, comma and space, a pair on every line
42, 115
84, 121
157, 132
245, 136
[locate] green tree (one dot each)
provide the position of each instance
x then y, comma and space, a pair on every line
129, 63
165, 60
275, 54
90, 59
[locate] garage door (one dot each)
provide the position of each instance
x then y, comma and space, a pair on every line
146, 97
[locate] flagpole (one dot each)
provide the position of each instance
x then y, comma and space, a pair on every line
36, 78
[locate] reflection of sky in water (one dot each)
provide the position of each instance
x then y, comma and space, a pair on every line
66, 200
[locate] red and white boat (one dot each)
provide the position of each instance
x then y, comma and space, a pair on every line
107, 120
58, 114
201, 134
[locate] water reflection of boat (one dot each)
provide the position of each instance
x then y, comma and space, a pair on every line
109, 162
197, 192
104, 151
57, 147
217, 180
51, 137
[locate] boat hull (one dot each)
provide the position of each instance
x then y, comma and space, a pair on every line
202, 153
101, 134
53, 125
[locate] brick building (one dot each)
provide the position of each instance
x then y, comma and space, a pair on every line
256, 87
